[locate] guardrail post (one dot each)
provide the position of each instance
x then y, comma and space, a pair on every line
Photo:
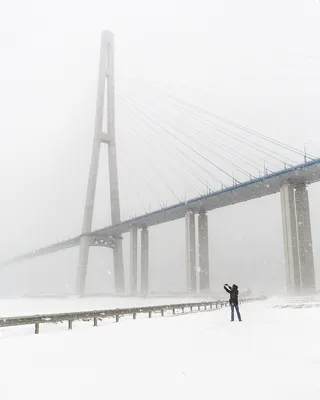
95, 321
198, 307
134, 315
191, 308
173, 311
70, 324
117, 318
182, 308
37, 328
150, 312
162, 312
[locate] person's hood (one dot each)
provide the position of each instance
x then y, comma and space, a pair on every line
235, 287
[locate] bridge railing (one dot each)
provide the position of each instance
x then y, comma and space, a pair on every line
97, 315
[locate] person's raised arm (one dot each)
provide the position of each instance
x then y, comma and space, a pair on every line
227, 288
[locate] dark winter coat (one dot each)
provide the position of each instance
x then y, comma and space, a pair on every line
234, 293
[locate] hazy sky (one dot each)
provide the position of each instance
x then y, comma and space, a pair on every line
254, 62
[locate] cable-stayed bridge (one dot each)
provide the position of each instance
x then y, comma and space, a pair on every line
216, 161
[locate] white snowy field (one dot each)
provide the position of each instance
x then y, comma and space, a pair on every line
48, 305
273, 354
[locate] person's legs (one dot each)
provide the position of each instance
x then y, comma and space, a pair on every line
238, 312
232, 311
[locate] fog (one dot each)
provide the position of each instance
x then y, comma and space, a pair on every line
256, 63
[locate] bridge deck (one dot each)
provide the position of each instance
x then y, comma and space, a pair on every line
269, 184
264, 186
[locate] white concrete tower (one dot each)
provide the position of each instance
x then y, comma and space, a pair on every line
106, 76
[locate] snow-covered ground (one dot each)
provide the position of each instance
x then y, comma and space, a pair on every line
49, 305
274, 354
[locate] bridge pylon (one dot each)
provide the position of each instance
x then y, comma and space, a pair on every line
102, 137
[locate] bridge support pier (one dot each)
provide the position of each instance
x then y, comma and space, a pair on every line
204, 277
133, 274
118, 267
83, 264
191, 271
297, 238
305, 240
145, 261
290, 239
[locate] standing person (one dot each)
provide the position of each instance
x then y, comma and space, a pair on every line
234, 303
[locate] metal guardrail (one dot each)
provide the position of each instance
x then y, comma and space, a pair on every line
116, 313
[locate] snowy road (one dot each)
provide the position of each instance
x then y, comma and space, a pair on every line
273, 354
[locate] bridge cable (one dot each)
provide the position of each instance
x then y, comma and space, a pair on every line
219, 144
208, 148
237, 125
182, 142
222, 145
230, 133
140, 120
154, 152
179, 150
156, 169
133, 186
152, 190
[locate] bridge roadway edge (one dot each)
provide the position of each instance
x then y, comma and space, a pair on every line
260, 187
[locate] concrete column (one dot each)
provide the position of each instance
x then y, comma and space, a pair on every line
290, 241
191, 252
82, 266
305, 240
204, 275
118, 267
133, 280
145, 261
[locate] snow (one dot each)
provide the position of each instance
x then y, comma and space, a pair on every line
273, 354
48, 305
